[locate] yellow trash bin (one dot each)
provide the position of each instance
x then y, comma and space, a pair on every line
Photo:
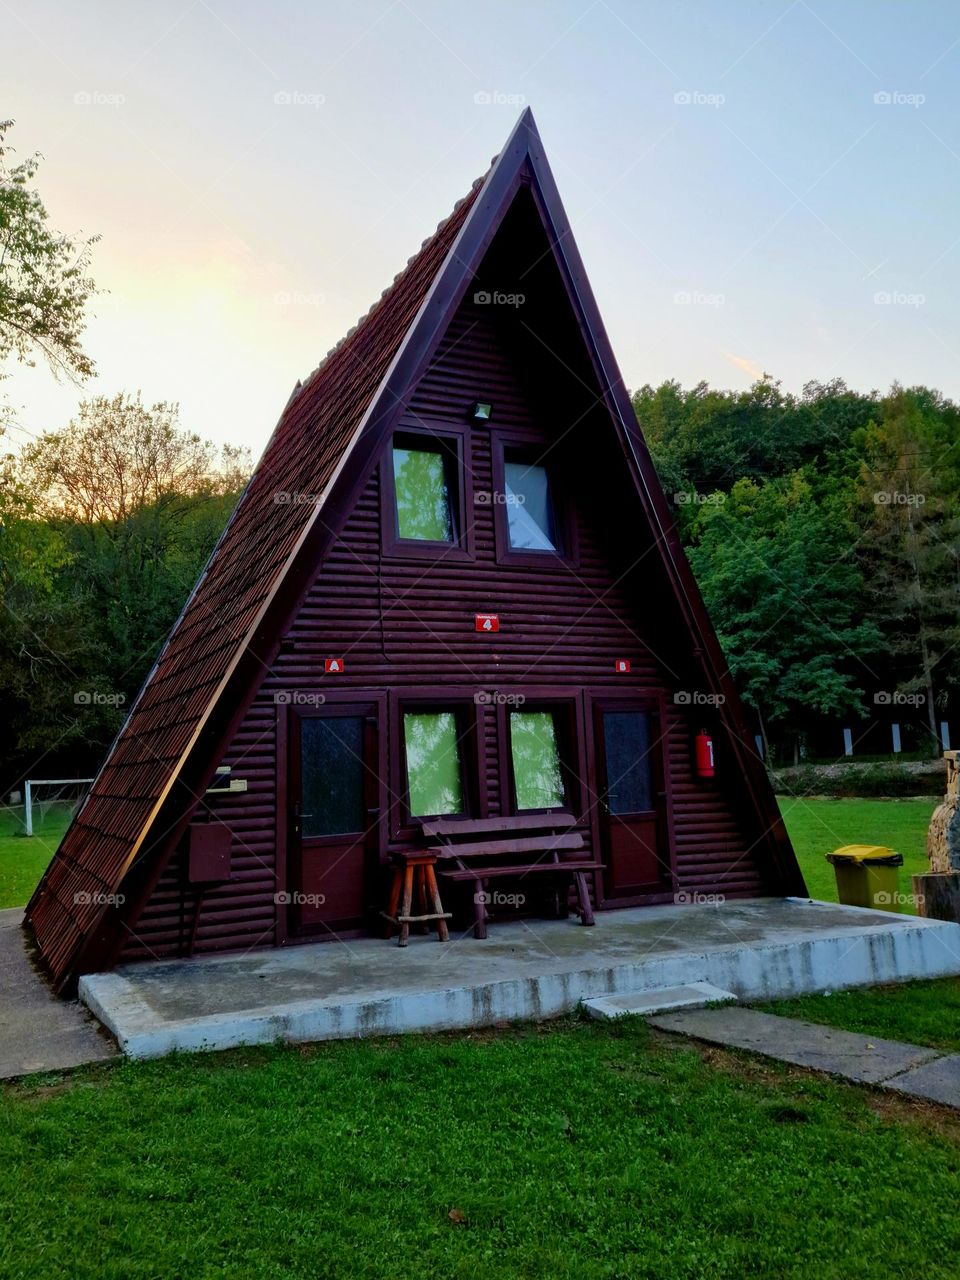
867, 875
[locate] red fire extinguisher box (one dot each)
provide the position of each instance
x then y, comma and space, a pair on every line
703, 754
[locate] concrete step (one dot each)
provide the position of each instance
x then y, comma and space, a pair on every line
693, 995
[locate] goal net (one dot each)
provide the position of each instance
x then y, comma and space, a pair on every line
49, 802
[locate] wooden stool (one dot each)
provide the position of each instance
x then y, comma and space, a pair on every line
415, 869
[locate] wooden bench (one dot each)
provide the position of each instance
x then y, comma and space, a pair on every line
482, 849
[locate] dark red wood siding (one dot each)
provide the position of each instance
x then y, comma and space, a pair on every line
407, 623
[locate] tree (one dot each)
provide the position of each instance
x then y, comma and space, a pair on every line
908, 486
44, 285
782, 589
120, 458
114, 518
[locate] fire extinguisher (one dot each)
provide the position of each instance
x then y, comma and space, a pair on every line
703, 754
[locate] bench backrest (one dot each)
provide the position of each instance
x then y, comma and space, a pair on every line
451, 830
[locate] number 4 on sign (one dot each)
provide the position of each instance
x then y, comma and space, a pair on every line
487, 622
333, 666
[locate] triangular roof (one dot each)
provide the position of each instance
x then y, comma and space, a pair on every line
223, 642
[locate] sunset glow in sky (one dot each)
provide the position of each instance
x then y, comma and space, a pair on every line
754, 186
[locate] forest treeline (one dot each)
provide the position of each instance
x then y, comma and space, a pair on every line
104, 527
824, 531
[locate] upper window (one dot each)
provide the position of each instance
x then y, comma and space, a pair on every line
425, 485
537, 770
531, 519
434, 763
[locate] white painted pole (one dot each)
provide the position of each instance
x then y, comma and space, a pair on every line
945, 735
848, 742
895, 729
27, 809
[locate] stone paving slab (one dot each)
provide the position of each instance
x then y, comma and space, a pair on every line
38, 1030
865, 1059
937, 1081
656, 1000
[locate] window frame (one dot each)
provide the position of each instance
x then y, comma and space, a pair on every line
454, 440
405, 824
570, 742
565, 527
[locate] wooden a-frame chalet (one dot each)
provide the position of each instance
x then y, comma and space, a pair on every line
453, 586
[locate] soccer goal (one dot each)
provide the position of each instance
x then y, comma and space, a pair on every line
40, 795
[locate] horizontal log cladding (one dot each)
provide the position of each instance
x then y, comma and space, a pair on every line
402, 622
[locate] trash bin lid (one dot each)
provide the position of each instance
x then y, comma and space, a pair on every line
868, 854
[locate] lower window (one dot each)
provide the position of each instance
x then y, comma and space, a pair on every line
434, 763
538, 775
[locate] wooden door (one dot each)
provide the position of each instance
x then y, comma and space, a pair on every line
333, 817
632, 800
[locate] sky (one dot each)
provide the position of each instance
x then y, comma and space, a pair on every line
754, 185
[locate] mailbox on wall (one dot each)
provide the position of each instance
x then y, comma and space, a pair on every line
209, 853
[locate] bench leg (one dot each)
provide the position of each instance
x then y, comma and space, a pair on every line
479, 910
406, 908
583, 896
443, 933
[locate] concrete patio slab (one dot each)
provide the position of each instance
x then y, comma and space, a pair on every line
937, 1081
38, 1031
864, 1059
656, 1000
530, 969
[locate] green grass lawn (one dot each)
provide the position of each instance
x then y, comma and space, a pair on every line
817, 826
918, 1012
567, 1150
571, 1149
24, 859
